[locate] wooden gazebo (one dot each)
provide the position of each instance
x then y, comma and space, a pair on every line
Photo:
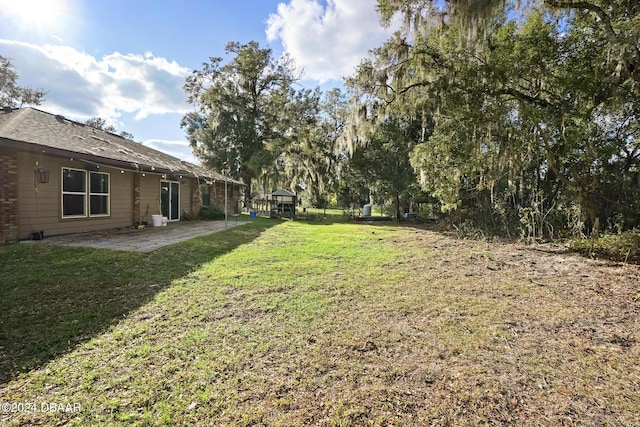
283, 204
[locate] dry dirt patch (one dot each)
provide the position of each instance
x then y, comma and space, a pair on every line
547, 337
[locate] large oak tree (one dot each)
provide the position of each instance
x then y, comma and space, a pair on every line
525, 115
238, 105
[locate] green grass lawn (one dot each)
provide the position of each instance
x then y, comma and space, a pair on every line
56, 297
317, 323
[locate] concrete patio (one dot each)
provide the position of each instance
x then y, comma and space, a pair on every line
144, 240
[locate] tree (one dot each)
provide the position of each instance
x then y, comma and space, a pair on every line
12, 95
532, 117
383, 163
311, 152
100, 123
616, 20
237, 122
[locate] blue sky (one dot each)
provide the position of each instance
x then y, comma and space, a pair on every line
126, 61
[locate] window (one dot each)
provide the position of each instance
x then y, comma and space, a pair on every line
206, 195
99, 194
76, 193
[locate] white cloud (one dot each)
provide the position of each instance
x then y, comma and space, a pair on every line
177, 148
327, 41
57, 38
81, 86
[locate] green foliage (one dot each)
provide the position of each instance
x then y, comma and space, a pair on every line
12, 95
523, 122
520, 123
100, 123
239, 106
211, 212
310, 156
621, 247
381, 165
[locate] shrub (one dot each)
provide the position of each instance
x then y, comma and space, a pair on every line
211, 212
621, 247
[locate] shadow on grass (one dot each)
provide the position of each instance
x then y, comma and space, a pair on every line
54, 297
320, 218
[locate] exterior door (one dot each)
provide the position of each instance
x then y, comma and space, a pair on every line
170, 199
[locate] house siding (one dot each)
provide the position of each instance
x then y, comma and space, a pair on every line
196, 199
30, 138
149, 196
185, 196
27, 207
9, 231
39, 204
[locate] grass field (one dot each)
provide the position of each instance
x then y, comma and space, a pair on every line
318, 323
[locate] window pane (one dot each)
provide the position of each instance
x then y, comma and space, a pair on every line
73, 204
99, 183
164, 198
74, 181
175, 200
99, 205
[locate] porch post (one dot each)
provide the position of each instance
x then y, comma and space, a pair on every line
136, 216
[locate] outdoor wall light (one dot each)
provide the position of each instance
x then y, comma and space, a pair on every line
42, 175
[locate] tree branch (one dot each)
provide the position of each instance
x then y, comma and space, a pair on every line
628, 60
590, 7
523, 96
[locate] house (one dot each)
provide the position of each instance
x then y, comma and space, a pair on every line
59, 176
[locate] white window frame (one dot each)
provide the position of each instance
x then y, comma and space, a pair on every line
76, 193
86, 194
107, 194
179, 198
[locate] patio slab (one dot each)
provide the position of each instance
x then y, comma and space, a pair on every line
146, 240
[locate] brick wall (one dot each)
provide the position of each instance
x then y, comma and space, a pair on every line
8, 197
196, 198
233, 196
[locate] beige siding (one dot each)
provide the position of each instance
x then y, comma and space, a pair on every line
149, 196
39, 205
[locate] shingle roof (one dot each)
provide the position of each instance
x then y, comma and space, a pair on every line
283, 192
39, 128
